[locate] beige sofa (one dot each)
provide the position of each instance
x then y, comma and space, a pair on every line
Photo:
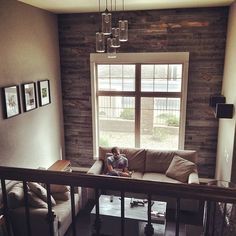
38, 215
152, 165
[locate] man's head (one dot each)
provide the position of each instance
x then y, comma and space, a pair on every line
115, 151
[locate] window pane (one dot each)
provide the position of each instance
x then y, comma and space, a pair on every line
161, 71
160, 85
129, 84
116, 84
103, 71
174, 85
147, 85
116, 70
175, 71
116, 121
147, 71
174, 77
160, 123
129, 71
104, 84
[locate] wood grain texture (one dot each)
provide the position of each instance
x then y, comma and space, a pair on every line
200, 31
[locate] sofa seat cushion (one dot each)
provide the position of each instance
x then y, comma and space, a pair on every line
137, 175
159, 177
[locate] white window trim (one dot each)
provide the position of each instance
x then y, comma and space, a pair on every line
163, 57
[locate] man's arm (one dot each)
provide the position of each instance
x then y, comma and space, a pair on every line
125, 172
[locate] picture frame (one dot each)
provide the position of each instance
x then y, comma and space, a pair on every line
11, 100
29, 96
44, 92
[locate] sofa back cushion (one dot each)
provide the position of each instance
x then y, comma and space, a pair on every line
159, 161
190, 155
135, 156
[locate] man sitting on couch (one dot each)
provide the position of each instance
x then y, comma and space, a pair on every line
117, 164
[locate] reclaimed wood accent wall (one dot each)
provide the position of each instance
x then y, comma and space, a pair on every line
200, 31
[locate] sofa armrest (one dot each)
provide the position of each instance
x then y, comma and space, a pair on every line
193, 178
96, 168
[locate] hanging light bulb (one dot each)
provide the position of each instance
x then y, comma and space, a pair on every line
100, 42
110, 49
115, 31
115, 43
123, 25
100, 39
106, 21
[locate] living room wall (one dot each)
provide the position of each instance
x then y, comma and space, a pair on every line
200, 31
226, 152
29, 52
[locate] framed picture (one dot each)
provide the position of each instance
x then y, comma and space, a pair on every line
29, 96
44, 92
11, 101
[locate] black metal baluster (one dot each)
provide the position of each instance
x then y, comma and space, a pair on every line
27, 213
177, 216
122, 213
97, 223
149, 230
223, 218
50, 213
72, 196
5, 207
207, 218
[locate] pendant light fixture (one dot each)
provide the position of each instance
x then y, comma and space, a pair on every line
106, 21
100, 39
111, 36
123, 25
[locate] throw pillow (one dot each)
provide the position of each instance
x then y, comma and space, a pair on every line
16, 196
61, 196
55, 188
180, 169
35, 201
40, 191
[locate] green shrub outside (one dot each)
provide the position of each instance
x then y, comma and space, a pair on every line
103, 142
170, 120
127, 114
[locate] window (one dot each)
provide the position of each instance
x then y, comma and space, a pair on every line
139, 102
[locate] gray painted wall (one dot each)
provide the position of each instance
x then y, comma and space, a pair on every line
226, 155
29, 52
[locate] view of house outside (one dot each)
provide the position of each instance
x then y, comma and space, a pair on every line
159, 116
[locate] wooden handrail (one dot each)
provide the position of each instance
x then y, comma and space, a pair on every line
190, 191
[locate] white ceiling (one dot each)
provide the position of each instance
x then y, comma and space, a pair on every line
77, 6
